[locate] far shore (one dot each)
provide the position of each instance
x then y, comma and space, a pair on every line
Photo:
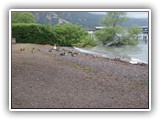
45, 77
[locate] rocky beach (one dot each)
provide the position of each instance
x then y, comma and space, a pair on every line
46, 77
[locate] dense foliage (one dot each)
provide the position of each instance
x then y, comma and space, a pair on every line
114, 34
63, 35
23, 17
33, 33
106, 35
68, 34
86, 41
132, 37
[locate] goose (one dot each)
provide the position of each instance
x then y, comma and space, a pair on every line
54, 47
51, 50
117, 58
73, 54
22, 49
62, 54
32, 49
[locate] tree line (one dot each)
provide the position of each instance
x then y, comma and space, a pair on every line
26, 30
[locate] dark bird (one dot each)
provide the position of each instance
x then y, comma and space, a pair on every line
32, 49
51, 50
22, 49
62, 54
73, 55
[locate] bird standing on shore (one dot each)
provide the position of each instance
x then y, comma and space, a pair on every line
117, 58
54, 47
22, 49
32, 49
62, 54
51, 50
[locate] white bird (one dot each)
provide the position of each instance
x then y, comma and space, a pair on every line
54, 47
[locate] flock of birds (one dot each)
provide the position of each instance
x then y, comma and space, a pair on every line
73, 53
64, 52
55, 48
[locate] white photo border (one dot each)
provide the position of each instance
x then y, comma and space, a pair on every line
81, 10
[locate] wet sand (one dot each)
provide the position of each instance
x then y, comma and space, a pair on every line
43, 79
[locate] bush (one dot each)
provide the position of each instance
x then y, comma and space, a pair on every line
33, 33
126, 40
132, 36
63, 35
87, 41
69, 34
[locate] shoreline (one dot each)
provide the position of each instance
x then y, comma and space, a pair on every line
47, 47
118, 58
47, 78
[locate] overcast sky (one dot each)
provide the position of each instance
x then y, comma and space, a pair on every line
130, 14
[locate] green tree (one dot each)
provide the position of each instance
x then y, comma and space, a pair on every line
131, 38
106, 35
86, 41
23, 17
133, 31
113, 26
114, 18
112, 22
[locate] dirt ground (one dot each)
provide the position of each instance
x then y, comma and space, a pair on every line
43, 79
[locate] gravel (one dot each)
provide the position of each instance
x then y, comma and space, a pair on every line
43, 79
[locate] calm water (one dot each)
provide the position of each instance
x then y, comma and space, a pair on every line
139, 52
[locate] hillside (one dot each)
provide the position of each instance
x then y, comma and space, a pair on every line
139, 22
84, 19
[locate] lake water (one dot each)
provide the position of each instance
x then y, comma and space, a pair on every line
138, 53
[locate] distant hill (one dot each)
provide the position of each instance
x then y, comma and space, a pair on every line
84, 19
136, 21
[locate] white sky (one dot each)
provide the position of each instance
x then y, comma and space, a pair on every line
137, 14
130, 14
